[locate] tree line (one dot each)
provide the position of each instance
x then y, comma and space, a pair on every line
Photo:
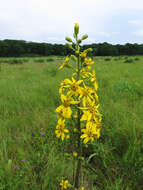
17, 48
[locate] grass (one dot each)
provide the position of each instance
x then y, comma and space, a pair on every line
29, 96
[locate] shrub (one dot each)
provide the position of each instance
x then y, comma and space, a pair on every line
129, 61
15, 61
107, 59
49, 59
40, 60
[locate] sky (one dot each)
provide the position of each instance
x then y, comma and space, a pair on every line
50, 21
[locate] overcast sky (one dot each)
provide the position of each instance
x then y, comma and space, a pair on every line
113, 21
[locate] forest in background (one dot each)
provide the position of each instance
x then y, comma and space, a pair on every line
18, 48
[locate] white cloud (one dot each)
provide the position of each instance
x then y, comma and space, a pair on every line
52, 20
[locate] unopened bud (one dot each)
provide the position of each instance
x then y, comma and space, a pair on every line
73, 58
68, 39
77, 52
79, 41
69, 46
84, 37
76, 29
89, 50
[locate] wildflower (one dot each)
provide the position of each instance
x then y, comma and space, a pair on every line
93, 79
42, 133
95, 124
64, 63
88, 134
84, 74
83, 54
88, 62
86, 95
23, 160
64, 184
61, 130
74, 154
91, 112
15, 166
64, 110
73, 86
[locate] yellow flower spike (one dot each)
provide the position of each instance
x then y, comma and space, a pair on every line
76, 29
75, 154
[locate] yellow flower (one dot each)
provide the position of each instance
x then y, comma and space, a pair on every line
60, 129
86, 95
59, 110
93, 79
64, 63
83, 54
84, 74
64, 110
73, 86
91, 112
95, 124
64, 184
74, 154
89, 134
88, 62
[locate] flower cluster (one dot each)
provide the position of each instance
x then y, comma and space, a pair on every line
79, 95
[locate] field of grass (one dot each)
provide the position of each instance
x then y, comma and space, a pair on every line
28, 98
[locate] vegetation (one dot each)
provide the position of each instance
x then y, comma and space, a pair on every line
78, 114
31, 157
17, 48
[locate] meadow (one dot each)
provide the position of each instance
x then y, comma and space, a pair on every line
32, 158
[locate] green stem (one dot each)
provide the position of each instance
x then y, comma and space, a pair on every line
79, 149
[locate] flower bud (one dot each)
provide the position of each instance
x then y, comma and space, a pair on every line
69, 46
77, 52
84, 37
76, 29
73, 58
89, 50
68, 39
79, 41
